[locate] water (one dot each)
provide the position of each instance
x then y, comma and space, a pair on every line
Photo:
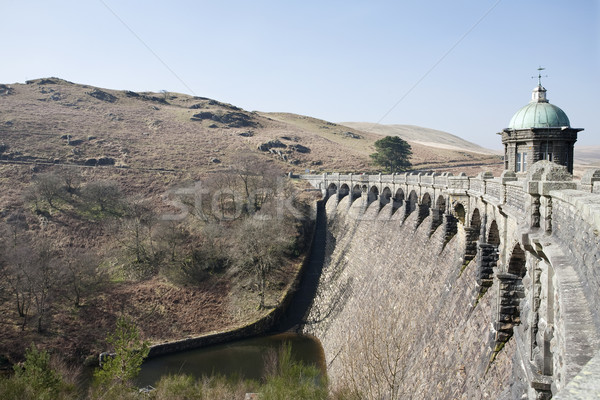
243, 358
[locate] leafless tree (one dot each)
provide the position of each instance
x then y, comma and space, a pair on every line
48, 187
135, 233
104, 194
260, 246
17, 262
42, 277
371, 358
79, 274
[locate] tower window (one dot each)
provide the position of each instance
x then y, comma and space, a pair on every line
546, 153
521, 162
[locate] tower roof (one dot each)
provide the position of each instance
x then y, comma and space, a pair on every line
539, 113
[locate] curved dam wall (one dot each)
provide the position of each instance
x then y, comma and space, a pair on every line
450, 287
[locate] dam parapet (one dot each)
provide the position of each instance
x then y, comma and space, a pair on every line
472, 287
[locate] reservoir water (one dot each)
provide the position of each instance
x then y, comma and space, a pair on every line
243, 358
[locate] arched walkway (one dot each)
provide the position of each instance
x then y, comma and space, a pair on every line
398, 199
356, 193
413, 199
344, 191
373, 194
386, 196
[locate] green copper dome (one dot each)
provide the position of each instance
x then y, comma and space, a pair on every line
539, 113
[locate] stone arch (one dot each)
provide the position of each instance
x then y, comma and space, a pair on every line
516, 265
373, 194
412, 202
356, 193
494, 234
424, 207
398, 199
472, 236
512, 292
476, 219
331, 189
386, 195
438, 213
344, 191
459, 212
487, 258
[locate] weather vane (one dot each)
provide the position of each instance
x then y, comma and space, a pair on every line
540, 69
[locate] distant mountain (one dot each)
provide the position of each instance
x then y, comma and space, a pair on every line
424, 136
587, 155
50, 121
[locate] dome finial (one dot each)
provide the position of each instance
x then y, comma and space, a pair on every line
540, 69
539, 92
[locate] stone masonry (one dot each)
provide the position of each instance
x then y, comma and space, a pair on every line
458, 287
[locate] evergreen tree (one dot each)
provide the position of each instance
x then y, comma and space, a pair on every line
129, 352
393, 154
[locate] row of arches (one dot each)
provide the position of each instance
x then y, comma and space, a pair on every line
386, 196
483, 245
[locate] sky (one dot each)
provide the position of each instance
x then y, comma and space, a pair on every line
461, 66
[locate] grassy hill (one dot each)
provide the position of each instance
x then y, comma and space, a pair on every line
139, 148
54, 121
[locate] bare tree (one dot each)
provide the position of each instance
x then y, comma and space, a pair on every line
106, 195
258, 180
16, 223
48, 187
79, 274
261, 245
72, 179
17, 261
42, 278
136, 236
371, 358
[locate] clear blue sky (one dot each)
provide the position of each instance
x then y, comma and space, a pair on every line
462, 66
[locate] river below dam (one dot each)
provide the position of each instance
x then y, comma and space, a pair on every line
245, 358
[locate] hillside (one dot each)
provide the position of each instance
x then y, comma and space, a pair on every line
54, 121
102, 156
424, 136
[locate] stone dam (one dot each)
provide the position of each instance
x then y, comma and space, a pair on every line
453, 287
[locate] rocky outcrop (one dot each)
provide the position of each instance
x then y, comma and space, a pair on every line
230, 119
102, 95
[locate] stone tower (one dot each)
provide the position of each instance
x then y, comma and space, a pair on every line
538, 131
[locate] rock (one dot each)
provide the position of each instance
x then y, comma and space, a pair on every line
205, 115
106, 161
300, 148
43, 81
215, 161
247, 134
232, 120
237, 120
213, 126
351, 135
129, 93
6, 90
90, 162
271, 144
102, 95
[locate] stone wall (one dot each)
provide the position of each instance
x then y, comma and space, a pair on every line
382, 294
500, 300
